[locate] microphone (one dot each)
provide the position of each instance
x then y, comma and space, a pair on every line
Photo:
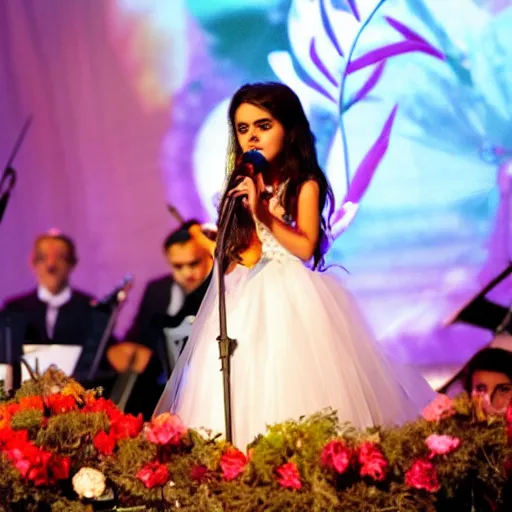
255, 159
118, 294
253, 163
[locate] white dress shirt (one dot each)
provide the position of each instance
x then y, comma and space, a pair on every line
53, 302
175, 337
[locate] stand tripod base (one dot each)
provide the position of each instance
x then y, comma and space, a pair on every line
226, 349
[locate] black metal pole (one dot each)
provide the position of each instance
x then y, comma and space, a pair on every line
91, 374
8, 179
226, 344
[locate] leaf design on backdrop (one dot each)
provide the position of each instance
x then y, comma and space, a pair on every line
324, 67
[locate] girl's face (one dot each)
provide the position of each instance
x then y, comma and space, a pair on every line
257, 129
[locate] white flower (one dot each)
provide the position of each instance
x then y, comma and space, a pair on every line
89, 483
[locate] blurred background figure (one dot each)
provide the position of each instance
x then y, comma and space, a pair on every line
488, 377
54, 312
165, 315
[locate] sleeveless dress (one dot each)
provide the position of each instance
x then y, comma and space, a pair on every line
302, 346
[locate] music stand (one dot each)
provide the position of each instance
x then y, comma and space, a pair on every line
480, 312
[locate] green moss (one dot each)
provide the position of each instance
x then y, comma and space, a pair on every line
71, 434
30, 419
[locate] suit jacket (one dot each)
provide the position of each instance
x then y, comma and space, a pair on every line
155, 302
152, 315
147, 329
72, 323
77, 323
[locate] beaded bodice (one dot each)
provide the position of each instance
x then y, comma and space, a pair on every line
271, 249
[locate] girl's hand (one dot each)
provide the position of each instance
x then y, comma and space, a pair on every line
247, 188
252, 189
276, 208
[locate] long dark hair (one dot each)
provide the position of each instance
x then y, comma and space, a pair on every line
298, 163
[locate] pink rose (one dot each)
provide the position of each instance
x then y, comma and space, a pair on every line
423, 475
441, 407
373, 463
441, 445
336, 455
166, 428
289, 476
232, 463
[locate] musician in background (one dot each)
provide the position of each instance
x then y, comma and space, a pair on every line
167, 309
54, 312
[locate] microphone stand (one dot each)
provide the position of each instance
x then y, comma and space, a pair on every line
227, 345
115, 307
8, 179
257, 164
7, 183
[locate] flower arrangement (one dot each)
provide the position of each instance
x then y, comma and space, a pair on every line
63, 448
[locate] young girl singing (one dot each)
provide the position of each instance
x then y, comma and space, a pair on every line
302, 344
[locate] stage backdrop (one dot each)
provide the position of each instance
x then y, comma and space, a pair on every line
409, 100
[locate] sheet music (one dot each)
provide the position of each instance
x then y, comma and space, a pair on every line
176, 338
5, 375
65, 357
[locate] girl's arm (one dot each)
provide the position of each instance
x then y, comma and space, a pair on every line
248, 258
302, 239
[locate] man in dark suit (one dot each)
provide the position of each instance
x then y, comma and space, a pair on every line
54, 312
166, 311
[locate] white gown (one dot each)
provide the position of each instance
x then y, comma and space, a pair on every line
302, 346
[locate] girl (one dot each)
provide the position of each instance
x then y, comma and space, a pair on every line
302, 344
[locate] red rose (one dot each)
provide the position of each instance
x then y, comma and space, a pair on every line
12, 409
423, 475
508, 467
103, 405
336, 455
198, 472
166, 428
104, 443
10, 439
38, 472
508, 415
60, 404
126, 425
39, 466
372, 461
153, 474
232, 463
31, 402
289, 476
58, 467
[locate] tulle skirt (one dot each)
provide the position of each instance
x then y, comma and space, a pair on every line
302, 346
